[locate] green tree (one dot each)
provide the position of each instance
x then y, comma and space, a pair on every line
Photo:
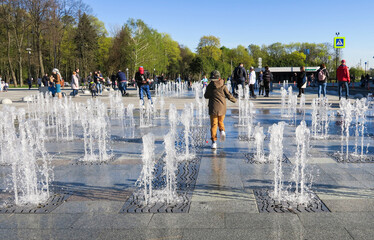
173, 54
209, 46
86, 41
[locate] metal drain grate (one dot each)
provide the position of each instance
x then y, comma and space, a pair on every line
244, 138
186, 179
352, 158
250, 158
52, 203
266, 204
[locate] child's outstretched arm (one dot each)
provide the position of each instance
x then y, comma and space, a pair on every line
228, 95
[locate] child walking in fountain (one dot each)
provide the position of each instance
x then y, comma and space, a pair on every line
217, 93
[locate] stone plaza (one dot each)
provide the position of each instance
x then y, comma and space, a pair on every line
226, 193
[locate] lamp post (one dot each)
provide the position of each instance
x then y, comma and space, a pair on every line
127, 73
365, 67
29, 52
337, 55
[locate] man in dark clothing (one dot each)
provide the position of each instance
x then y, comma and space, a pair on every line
45, 80
162, 79
240, 76
267, 78
142, 80
122, 80
29, 82
113, 78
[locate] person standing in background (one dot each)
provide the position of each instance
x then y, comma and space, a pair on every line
122, 80
240, 76
74, 83
302, 81
252, 82
342, 74
322, 75
261, 88
142, 80
267, 78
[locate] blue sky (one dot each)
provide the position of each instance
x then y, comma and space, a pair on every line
252, 22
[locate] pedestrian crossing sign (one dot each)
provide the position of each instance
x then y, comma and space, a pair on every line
339, 42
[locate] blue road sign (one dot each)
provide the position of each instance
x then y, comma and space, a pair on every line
339, 42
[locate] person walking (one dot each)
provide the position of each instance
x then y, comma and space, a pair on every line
267, 78
122, 80
261, 89
57, 80
29, 82
240, 76
302, 81
142, 80
114, 80
342, 74
92, 87
39, 82
75, 83
322, 75
217, 93
252, 82
204, 81
98, 82
45, 80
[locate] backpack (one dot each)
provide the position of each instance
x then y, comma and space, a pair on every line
237, 72
321, 75
93, 86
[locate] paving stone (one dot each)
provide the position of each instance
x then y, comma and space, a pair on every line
192, 220
230, 206
254, 220
245, 234
89, 207
337, 219
140, 234
38, 221
331, 233
113, 221
49, 234
350, 205
361, 233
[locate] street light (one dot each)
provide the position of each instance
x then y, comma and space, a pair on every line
127, 73
337, 55
29, 52
365, 67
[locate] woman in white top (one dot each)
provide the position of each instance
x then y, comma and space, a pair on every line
252, 82
74, 83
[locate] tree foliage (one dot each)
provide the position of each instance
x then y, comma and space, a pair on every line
64, 34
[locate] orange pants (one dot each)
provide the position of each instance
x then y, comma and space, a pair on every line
216, 121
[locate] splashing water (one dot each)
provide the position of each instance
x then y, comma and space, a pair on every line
146, 176
259, 143
320, 118
276, 156
25, 151
299, 174
346, 110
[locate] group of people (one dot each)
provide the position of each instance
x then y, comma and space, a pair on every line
241, 77
3, 85
264, 80
217, 92
321, 76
